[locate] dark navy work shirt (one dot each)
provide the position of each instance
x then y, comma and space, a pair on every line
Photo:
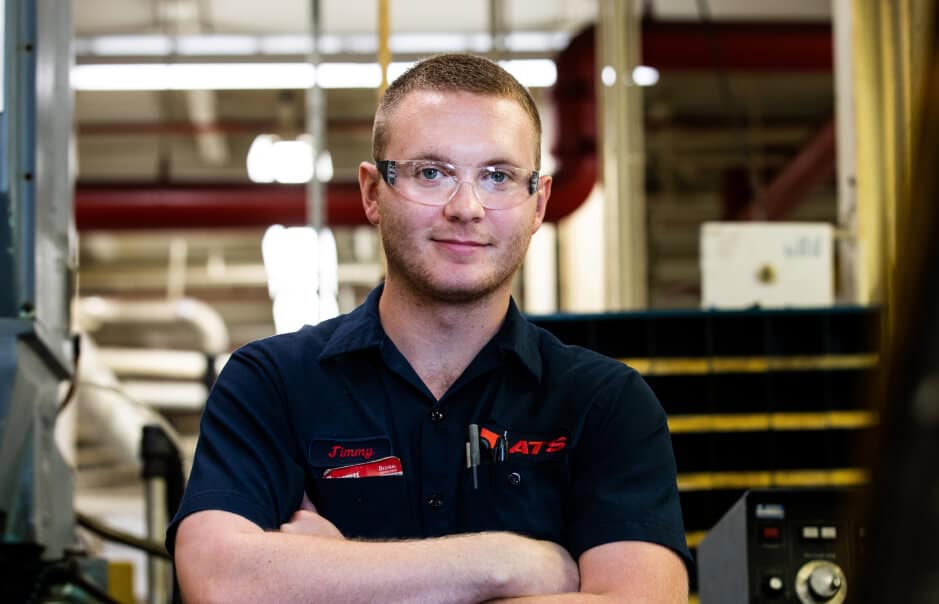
589, 458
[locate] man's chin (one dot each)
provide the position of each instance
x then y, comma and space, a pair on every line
459, 293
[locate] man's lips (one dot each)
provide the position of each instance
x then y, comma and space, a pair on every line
464, 242
457, 247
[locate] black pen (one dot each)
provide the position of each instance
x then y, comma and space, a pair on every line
474, 453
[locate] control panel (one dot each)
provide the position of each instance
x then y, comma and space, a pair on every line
780, 546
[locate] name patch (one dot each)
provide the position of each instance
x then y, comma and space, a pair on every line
336, 452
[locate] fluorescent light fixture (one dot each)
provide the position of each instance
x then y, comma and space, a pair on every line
432, 43
324, 166
223, 45
302, 275
272, 159
427, 43
133, 46
259, 165
268, 76
643, 75
295, 44
227, 45
536, 41
479, 43
292, 161
349, 75
533, 73
193, 76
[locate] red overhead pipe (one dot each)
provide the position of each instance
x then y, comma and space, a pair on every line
739, 46
160, 206
575, 145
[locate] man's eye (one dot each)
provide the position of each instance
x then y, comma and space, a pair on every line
428, 173
498, 177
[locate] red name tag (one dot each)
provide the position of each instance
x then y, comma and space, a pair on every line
386, 466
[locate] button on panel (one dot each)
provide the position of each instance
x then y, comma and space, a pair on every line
810, 533
829, 533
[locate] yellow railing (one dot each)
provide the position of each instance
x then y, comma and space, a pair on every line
703, 481
752, 364
755, 422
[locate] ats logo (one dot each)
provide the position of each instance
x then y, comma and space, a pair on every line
524, 446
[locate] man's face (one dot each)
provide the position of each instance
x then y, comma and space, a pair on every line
459, 252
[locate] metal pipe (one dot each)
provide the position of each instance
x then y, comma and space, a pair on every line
316, 215
384, 50
158, 569
93, 311
119, 418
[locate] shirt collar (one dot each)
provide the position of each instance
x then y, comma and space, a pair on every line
520, 338
361, 329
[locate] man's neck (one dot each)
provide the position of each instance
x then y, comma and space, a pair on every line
439, 339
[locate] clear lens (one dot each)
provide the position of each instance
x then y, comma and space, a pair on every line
435, 183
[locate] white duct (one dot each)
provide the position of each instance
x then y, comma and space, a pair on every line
104, 404
94, 311
155, 363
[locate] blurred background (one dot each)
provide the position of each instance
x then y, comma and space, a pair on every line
732, 196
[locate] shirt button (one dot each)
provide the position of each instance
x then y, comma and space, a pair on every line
436, 416
515, 479
435, 501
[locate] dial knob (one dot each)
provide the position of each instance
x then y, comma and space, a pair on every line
820, 582
824, 582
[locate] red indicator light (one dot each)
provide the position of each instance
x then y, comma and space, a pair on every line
771, 533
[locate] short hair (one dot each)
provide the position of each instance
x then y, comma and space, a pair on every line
453, 72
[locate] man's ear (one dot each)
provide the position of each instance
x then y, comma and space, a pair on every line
544, 192
369, 181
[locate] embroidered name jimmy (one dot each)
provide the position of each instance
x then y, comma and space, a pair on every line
343, 452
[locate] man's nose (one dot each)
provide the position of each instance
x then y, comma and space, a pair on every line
464, 202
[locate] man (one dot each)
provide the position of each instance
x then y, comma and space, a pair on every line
432, 445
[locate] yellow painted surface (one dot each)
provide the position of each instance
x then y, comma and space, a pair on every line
754, 422
755, 364
121, 581
703, 481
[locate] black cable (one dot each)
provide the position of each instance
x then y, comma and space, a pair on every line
153, 548
73, 384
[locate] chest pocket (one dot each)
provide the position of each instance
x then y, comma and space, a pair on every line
369, 507
365, 508
523, 495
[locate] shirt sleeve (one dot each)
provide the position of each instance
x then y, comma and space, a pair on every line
623, 472
244, 463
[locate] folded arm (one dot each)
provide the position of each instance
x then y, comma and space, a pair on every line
626, 571
224, 557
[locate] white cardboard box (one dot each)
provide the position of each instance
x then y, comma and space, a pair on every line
766, 264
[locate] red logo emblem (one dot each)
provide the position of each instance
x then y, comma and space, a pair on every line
524, 446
